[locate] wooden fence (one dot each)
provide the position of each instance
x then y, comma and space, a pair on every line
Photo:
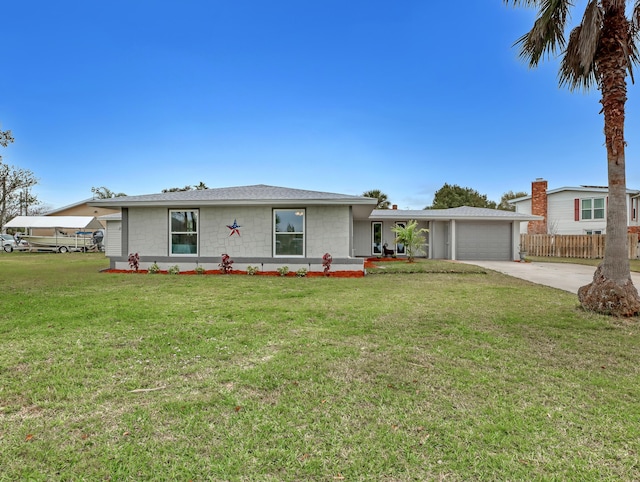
571, 246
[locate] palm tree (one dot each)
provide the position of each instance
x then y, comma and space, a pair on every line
383, 202
600, 52
105, 193
411, 237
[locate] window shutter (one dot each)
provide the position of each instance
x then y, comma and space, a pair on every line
576, 210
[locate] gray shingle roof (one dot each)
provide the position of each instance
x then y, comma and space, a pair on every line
257, 194
461, 213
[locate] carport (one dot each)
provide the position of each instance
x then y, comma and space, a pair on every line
53, 222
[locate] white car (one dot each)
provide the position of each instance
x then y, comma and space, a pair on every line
8, 242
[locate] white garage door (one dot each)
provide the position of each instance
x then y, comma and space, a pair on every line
483, 240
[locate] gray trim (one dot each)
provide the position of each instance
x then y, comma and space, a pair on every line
125, 232
249, 260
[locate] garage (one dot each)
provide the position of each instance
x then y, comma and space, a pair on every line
484, 240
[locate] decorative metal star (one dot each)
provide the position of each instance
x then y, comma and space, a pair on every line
235, 228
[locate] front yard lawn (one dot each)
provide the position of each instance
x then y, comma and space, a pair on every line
444, 375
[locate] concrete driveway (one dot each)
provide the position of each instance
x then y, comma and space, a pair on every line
564, 276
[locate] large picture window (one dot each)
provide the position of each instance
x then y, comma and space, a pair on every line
288, 229
592, 208
183, 232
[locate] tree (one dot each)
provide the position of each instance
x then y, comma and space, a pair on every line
105, 193
15, 183
198, 187
599, 54
454, 196
5, 139
383, 200
508, 196
411, 237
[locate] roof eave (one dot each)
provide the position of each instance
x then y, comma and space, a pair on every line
237, 202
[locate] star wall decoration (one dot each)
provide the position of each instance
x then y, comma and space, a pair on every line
235, 228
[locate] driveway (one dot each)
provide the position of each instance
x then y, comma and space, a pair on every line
564, 276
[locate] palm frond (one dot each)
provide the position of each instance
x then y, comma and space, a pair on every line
547, 35
634, 37
573, 73
590, 33
635, 17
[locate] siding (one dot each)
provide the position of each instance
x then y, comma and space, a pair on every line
113, 239
524, 207
560, 213
560, 218
362, 237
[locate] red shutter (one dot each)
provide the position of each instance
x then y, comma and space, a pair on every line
576, 210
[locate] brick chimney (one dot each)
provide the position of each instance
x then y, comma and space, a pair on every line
538, 206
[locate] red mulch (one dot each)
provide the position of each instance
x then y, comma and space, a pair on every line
332, 274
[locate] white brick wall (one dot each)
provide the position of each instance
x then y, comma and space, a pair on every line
327, 230
149, 231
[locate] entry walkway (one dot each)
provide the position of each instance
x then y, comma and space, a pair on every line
564, 276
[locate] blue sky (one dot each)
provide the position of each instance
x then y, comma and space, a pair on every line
331, 95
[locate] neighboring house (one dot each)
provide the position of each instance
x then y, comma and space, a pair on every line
82, 208
572, 210
271, 227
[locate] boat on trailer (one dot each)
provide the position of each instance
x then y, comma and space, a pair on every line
57, 233
60, 242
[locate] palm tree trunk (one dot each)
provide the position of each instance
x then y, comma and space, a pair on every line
612, 291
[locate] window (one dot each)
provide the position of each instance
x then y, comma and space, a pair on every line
592, 208
183, 232
376, 238
288, 229
591, 232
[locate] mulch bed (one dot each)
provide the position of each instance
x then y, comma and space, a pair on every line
292, 274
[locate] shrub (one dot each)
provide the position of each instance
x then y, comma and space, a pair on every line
284, 270
199, 270
226, 265
301, 273
251, 270
327, 259
175, 269
411, 237
153, 269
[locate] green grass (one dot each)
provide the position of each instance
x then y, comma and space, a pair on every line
434, 375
